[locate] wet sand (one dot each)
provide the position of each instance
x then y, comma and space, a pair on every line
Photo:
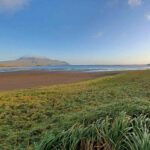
30, 79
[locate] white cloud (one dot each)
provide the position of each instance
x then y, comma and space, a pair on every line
147, 16
133, 3
12, 5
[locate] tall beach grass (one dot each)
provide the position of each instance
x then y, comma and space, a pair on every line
120, 133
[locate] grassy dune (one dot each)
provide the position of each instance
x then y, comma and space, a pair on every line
26, 116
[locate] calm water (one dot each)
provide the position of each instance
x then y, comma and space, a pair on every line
83, 68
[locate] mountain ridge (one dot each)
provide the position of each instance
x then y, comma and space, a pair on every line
32, 61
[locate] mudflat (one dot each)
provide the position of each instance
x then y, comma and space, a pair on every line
30, 79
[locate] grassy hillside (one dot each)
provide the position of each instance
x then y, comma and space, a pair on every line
26, 116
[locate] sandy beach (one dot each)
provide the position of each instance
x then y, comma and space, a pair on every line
30, 79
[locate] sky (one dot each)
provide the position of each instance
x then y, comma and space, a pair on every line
76, 31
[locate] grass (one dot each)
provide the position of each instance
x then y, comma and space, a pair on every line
121, 133
29, 118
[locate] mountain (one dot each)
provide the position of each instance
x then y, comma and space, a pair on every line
32, 61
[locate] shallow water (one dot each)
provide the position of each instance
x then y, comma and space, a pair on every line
83, 68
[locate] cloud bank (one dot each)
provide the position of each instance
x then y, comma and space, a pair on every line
12, 5
133, 3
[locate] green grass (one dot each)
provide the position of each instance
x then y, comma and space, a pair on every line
27, 116
121, 133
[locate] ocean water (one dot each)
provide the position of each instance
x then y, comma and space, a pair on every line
82, 68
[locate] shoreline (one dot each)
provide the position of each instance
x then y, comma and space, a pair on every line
30, 79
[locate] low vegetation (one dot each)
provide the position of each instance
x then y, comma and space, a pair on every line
71, 117
122, 133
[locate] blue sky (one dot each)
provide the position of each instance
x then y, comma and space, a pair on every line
77, 31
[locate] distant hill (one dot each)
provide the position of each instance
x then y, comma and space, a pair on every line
32, 61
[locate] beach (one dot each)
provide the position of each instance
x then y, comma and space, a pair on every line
30, 79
